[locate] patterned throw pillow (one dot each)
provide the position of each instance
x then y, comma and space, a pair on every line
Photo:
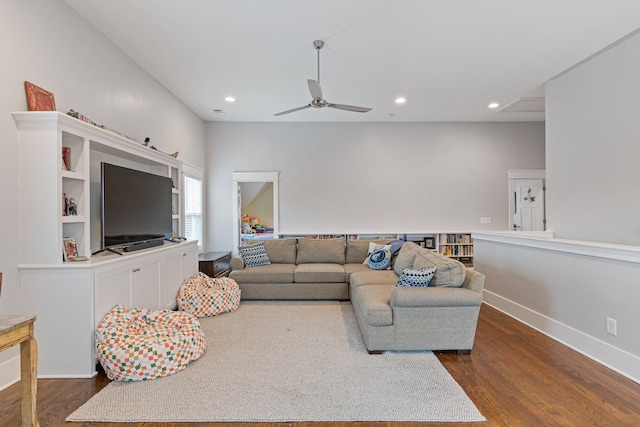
380, 259
254, 255
372, 247
421, 277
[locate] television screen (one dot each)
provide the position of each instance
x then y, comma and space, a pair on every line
136, 206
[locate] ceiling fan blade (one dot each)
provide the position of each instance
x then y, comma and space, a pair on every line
292, 110
349, 108
315, 89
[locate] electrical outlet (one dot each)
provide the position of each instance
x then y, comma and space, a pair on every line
612, 326
485, 220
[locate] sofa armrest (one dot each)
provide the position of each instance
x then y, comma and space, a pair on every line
236, 263
474, 281
434, 297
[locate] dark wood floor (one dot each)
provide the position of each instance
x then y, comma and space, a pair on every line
515, 376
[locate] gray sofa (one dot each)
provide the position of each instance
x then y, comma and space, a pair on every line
442, 316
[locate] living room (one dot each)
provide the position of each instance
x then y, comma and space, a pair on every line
377, 177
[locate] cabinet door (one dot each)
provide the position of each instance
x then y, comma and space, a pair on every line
178, 266
171, 280
145, 285
113, 287
189, 263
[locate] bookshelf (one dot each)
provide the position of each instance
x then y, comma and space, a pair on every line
458, 246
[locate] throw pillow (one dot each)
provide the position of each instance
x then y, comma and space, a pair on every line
373, 247
254, 255
421, 278
396, 245
380, 259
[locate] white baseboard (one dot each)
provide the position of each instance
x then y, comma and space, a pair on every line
613, 358
9, 372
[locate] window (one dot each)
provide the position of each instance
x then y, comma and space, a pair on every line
193, 208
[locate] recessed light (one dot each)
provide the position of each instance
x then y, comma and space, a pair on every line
400, 100
493, 105
230, 99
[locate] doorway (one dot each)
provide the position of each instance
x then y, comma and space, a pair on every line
240, 179
527, 200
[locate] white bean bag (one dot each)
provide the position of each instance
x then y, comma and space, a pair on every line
139, 344
204, 296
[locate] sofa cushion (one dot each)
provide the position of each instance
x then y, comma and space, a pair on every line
352, 268
319, 273
281, 250
357, 249
320, 251
254, 255
373, 277
272, 273
374, 303
419, 278
449, 272
405, 257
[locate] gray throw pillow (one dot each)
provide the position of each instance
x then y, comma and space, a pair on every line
254, 255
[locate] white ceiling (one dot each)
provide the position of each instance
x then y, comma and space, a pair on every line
448, 58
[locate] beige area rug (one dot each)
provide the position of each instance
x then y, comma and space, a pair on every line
289, 361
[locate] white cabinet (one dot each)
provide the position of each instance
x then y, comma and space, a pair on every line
60, 156
177, 268
69, 300
145, 285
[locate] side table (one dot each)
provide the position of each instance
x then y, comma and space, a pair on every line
215, 264
19, 330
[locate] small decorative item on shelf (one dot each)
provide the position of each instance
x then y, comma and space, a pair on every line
70, 249
430, 242
147, 140
66, 158
39, 99
86, 119
72, 206
64, 204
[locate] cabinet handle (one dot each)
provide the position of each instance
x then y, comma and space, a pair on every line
135, 270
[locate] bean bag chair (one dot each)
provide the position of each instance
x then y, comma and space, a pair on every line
139, 344
205, 296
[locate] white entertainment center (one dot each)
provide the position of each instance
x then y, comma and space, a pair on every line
70, 298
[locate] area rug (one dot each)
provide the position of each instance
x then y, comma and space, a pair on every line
289, 361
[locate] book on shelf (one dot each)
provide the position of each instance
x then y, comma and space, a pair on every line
66, 158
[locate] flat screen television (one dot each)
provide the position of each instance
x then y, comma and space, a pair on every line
136, 206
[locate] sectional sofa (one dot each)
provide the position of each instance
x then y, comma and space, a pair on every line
441, 316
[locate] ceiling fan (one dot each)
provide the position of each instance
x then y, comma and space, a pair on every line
316, 93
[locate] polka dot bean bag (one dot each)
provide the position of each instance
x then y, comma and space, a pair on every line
139, 344
204, 296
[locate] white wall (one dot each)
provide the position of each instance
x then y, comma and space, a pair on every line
593, 148
567, 289
372, 177
48, 44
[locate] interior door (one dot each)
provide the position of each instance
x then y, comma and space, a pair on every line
529, 206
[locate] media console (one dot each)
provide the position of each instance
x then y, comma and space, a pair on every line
69, 300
